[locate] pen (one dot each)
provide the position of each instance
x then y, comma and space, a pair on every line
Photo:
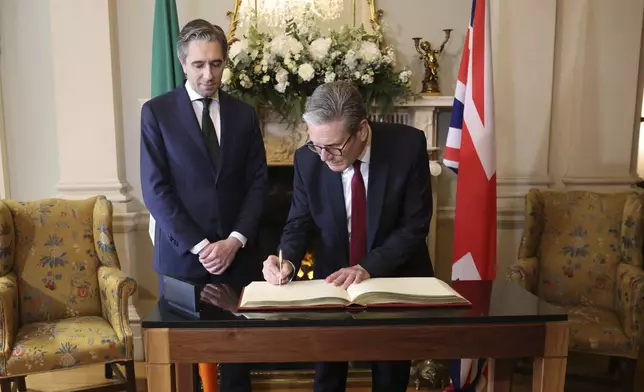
280, 260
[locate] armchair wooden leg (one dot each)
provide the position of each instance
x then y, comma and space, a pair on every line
130, 376
22, 384
613, 366
628, 375
109, 372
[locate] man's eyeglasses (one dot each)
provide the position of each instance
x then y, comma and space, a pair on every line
334, 151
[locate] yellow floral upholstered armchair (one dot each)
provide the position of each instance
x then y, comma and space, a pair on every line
583, 251
63, 297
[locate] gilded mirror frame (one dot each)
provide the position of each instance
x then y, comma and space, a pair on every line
375, 15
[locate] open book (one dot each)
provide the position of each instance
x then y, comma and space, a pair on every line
371, 292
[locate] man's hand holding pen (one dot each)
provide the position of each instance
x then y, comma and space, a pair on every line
272, 272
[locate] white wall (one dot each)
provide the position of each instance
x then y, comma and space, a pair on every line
27, 90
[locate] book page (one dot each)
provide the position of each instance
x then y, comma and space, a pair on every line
305, 292
405, 287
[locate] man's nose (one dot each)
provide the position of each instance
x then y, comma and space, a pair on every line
325, 156
207, 73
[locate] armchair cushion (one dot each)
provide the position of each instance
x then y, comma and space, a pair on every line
45, 346
597, 330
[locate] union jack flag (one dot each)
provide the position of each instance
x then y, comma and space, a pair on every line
470, 152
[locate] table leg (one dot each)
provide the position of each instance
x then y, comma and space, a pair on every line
160, 377
549, 374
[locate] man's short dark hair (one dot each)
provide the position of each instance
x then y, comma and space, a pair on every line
200, 30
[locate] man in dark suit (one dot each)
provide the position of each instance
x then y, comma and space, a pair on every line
204, 175
364, 189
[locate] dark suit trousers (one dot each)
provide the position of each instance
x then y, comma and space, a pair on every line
386, 376
234, 377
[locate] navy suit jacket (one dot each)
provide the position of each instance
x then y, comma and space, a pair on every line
187, 197
399, 208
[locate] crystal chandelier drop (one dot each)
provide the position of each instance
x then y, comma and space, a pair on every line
276, 13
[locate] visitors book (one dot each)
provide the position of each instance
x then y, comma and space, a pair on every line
375, 292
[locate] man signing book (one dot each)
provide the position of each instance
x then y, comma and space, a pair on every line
362, 202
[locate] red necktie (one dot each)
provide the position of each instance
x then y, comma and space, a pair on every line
358, 216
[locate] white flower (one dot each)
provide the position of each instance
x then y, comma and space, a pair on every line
245, 81
329, 77
284, 45
306, 72
405, 76
226, 76
319, 48
266, 79
237, 48
369, 52
281, 76
281, 87
350, 59
390, 57
367, 79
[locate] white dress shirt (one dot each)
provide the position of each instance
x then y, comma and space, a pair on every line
216, 120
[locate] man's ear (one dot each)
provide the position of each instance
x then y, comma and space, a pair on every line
363, 132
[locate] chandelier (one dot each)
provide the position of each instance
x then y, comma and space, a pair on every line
276, 13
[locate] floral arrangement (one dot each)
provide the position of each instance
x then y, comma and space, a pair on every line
279, 71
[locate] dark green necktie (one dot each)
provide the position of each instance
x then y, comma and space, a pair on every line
209, 133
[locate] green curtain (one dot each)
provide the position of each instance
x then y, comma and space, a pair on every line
166, 69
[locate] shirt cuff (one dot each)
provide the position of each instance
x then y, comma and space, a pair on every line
197, 248
293, 272
239, 236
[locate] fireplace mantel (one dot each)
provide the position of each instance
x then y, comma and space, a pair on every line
281, 141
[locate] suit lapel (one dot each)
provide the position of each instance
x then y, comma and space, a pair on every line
226, 133
377, 185
189, 121
335, 194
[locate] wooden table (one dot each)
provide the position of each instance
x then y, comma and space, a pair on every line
504, 323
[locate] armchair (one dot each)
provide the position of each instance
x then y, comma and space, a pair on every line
63, 297
583, 251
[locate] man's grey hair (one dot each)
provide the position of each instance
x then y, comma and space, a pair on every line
336, 101
201, 30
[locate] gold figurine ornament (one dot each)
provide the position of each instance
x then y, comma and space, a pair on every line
430, 59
